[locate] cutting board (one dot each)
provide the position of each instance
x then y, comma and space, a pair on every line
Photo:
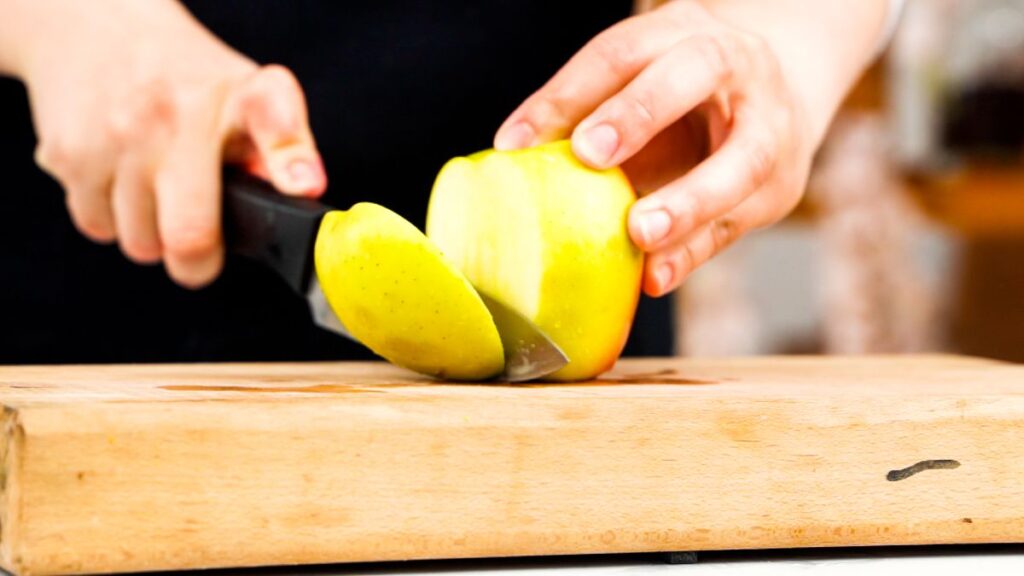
131, 468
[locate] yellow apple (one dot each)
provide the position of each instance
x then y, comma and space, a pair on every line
395, 292
547, 235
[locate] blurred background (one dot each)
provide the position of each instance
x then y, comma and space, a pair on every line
911, 235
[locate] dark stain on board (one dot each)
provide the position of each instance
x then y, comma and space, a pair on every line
904, 473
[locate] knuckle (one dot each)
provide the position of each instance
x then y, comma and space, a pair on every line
251, 102
686, 209
191, 241
93, 229
153, 106
186, 278
94, 232
278, 75
760, 56
139, 255
199, 101
45, 156
192, 275
715, 54
686, 260
189, 101
269, 79
140, 252
755, 44
618, 54
186, 236
642, 111
761, 158
271, 98
551, 108
724, 231
155, 100
61, 158
90, 223
123, 126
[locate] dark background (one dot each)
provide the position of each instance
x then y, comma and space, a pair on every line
394, 88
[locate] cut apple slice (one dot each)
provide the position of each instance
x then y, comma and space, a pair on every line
543, 233
397, 294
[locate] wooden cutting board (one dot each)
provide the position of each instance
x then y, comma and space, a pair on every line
131, 468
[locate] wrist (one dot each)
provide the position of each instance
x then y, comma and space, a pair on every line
822, 47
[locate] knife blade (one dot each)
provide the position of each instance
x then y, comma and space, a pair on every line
280, 233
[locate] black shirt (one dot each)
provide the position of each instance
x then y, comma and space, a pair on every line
394, 90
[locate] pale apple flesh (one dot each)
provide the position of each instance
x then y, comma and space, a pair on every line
543, 233
398, 295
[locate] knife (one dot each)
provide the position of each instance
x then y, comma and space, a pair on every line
280, 232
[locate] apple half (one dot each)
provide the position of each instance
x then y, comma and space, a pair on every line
546, 235
398, 295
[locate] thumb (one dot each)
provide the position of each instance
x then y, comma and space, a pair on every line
268, 112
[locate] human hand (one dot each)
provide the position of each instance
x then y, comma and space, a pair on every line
700, 116
137, 106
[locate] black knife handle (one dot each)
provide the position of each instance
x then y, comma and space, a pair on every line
277, 231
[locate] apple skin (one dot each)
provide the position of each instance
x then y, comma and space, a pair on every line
395, 292
547, 235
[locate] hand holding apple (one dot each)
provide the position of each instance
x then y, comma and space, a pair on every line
713, 109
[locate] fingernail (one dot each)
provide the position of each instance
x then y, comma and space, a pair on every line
598, 144
516, 136
305, 174
663, 276
654, 226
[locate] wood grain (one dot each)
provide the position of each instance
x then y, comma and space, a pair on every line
130, 468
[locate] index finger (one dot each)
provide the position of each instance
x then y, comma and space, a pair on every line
600, 69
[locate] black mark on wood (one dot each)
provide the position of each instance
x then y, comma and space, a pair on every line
680, 557
967, 521
903, 474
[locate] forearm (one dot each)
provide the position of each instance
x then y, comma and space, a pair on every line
20, 20
27, 27
822, 45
